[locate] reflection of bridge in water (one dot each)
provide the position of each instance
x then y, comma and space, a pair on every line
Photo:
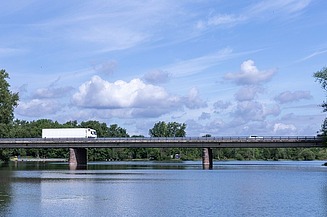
78, 152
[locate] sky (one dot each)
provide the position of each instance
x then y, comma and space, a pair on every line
224, 68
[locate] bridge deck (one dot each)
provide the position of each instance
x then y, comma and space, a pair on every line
159, 142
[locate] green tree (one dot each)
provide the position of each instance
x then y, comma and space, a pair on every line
115, 131
321, 77
8, 99
101, 128
163, 129
172, 129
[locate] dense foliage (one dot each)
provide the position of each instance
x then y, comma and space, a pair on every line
8, 100
171, 129
321, 77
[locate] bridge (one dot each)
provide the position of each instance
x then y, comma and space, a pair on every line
78, 146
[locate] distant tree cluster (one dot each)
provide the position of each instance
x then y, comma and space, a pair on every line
171, 129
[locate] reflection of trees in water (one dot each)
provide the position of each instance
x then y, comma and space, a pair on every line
5, 191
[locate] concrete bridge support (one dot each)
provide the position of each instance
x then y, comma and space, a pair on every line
207, 158
78, 156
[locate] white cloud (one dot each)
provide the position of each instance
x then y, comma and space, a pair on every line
221, 105
132, 99
112, 38
250, 75
194, 101
224, 19
288, 96
271, 109
247, 93
246, 111
38, 107
196, 65
249, 111
204, 116
284, 129
285, 6
98, 93
220, 20
52, 92
156, 77
111, 26
316, 53
107, 67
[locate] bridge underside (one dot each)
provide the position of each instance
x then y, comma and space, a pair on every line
207, 158
78, 156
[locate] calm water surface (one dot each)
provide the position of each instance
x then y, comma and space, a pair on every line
232, 188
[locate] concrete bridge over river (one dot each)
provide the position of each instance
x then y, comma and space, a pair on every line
78, 146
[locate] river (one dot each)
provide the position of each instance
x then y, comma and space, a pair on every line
231, 188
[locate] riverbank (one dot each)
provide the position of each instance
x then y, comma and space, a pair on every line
29, 159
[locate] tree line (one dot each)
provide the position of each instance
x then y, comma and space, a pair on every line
10, 128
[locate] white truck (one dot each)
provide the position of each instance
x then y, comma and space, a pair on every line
69, 133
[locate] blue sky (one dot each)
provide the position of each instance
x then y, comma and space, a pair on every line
221, 67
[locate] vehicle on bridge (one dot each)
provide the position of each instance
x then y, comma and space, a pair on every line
69, 133
255, 137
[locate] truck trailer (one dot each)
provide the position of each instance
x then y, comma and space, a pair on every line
69, 133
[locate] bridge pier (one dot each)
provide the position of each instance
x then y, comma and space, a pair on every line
207, 158
78, 156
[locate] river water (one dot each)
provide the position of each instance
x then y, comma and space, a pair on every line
231, 188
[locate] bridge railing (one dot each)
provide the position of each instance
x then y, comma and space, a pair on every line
223, 138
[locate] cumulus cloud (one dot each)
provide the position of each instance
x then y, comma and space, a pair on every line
98, 93
250, 75
284, 129
132, 99
52, 92
288, 96
107, 67
247, 93
221, 105
193, 100
249, 111
38, 107
204, 116
272, 109
156, 77
254, 111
